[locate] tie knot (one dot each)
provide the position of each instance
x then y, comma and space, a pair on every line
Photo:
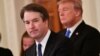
39, 45
67, 34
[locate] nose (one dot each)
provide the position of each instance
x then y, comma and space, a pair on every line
31, 25
61, 14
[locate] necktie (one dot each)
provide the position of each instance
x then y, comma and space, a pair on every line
67, 34
39, 50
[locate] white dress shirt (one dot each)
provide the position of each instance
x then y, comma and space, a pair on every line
43, 42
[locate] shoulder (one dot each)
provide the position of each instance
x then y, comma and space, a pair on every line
59, 37
85, 28
91, 30
31, 51
5, 50
88, 32
56, 36
61, 33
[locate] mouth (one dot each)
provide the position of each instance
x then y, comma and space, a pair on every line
33, 31
62, 19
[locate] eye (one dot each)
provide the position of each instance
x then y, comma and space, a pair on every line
35, 20
65, 9
26, 22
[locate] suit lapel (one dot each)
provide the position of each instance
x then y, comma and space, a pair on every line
77, 33
32, 50
49, 46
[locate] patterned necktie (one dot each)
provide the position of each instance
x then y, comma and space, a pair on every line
39, 50
67, 34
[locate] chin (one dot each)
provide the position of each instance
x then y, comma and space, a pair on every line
63, 23
34, 36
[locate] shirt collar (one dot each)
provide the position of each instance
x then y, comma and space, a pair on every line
44, 41
74, 27
45, 38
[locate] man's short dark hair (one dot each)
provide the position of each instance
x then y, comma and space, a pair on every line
35, 8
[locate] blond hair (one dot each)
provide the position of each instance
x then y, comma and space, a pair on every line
77, 4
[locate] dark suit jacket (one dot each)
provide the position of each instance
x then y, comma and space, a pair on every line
5, 52
85, 41
56, 46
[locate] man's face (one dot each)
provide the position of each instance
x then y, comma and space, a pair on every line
34, 24
67, 13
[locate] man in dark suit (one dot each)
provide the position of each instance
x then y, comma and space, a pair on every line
83, 40
4, 51
47, 43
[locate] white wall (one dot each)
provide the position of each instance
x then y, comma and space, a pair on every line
12, 27
2, 25
97, 3
91, 13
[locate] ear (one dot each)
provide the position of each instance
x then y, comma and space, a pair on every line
46, 22
78, 13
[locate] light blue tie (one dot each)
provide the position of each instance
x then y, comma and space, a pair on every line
67, 34
39, 50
